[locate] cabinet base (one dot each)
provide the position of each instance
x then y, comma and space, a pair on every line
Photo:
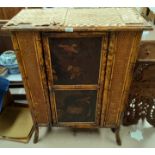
114, 130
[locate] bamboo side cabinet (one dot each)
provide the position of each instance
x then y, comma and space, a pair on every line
77, 64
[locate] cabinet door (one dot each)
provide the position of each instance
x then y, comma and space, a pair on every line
75, 65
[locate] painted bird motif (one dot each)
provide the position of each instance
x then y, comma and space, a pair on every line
69, 48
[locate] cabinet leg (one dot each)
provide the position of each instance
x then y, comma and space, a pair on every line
118, 139
36, 135
49, 128
113, 130
117, 135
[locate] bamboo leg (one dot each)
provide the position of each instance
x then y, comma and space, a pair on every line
117, 135
118, 139
36, 135
113, 130
49, 127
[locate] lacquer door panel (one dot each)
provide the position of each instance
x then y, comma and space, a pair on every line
75, 60
76, 105
75, 65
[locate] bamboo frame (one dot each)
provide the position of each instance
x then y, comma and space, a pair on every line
41, 62
77, 124
73, 35
78, 29
49, 77
101, 80
75, 87
108, 76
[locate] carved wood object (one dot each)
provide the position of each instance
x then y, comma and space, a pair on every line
141, 102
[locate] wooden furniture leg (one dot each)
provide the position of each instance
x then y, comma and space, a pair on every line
36, 135
117, 135
49, 127
113, 130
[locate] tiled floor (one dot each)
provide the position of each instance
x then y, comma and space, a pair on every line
62, 137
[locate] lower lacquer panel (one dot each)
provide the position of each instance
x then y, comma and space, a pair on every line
76, 105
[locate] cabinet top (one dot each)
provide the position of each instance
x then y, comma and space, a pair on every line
78, 19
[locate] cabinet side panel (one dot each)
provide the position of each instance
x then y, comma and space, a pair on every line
30, 59
121, 60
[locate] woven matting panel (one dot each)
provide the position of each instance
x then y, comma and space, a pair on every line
39, 17
77, 18
102, 17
